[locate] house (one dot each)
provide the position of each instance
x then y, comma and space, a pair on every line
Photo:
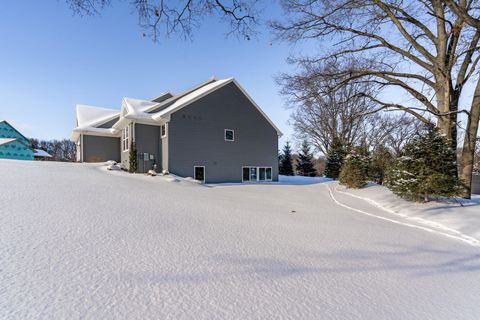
41, 155
476, 184
13, 144
213, 132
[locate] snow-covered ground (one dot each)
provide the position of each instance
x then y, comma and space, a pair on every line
458, 217
79, 242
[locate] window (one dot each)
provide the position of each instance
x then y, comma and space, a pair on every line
257, 173
127, 137
199, 173
253, 174
163, 130
246, 174
229, 135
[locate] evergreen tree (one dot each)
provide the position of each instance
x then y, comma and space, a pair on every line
305, 166
286, 167
334, 160
381, 162
427, 167
354, 169
133, 163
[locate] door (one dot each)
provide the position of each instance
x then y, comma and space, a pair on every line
199, 173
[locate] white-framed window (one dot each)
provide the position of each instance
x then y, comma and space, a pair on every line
250, 173
199, 173
229, 135
163, 130
127, 136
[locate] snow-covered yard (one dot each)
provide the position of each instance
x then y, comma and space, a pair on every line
78, 242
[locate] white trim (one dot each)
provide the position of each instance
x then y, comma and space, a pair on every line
204, 173
126, 136
257, 168
225, 135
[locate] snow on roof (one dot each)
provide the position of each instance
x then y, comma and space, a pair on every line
6, 140
137, 108
184, 93
191, 97
41, 153
91, 116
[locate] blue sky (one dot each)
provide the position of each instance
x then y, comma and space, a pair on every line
51, 60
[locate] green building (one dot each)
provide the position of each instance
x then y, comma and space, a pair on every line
13, 145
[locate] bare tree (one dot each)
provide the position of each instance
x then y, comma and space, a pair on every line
424, 49
167, 17
60, 150
400, 131
324, 112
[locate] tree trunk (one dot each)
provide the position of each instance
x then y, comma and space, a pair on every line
425, 197
447, 101
465, 166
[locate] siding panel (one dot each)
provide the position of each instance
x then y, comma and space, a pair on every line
196, 135
476, 184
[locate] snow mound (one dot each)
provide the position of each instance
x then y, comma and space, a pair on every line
171, 179
456, 216
114, 167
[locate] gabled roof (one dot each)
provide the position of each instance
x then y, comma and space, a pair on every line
203, 91
151, 112
89, 118
184, 93
6, 140
136, 108
5, 121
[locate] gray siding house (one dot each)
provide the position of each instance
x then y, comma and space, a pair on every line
213, 132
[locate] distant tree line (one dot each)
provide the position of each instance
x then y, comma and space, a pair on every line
60, 150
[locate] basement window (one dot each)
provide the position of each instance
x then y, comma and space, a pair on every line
229, 135
256, 174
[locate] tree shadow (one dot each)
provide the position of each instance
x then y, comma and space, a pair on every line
413, 261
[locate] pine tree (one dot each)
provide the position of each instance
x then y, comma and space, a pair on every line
427, 167
354, 169
305, 166
334, 159
286, 167
381, 162
133, 164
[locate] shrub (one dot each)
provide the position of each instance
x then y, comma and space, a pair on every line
354, 170
133, 163
427, 167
